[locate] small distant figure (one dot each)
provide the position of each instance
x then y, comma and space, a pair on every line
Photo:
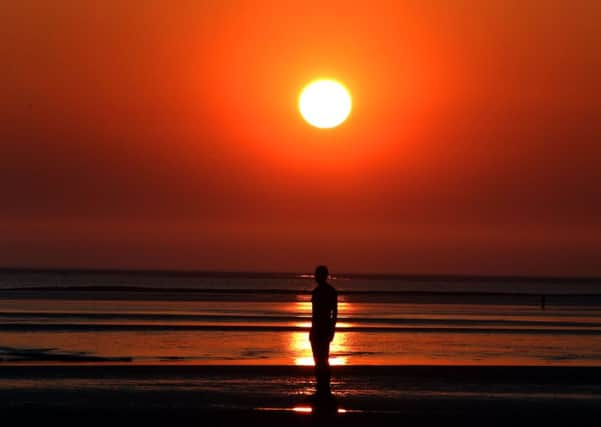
324, 300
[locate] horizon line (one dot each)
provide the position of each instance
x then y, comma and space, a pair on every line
265, 273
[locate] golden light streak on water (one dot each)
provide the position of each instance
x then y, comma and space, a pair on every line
300, 347
339, 325
308, 410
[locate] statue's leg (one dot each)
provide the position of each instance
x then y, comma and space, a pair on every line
321, 350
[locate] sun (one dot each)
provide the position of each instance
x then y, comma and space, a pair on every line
325, 103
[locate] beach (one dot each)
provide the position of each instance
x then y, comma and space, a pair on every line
274, 394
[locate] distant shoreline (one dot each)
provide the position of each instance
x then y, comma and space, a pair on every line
303, 275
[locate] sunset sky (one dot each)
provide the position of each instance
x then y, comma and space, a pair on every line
165, 134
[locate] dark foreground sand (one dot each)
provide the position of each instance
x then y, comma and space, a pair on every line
267, 395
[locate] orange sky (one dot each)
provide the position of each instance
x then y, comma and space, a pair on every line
156, 134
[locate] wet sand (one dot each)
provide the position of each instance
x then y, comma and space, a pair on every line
277, 395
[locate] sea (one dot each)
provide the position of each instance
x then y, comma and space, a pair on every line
231, 318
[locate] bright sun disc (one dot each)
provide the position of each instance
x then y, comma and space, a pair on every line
325, 103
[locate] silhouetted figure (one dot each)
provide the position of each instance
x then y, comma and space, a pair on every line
324, 301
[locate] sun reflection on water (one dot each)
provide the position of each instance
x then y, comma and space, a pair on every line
308, 410
299, 344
